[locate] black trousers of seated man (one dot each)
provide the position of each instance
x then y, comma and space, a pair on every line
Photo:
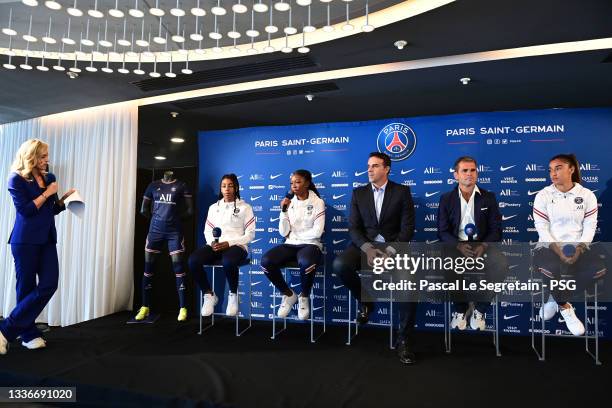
495, 270
347, 266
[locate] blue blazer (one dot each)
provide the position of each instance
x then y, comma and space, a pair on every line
486, 215
33, 225
396, 217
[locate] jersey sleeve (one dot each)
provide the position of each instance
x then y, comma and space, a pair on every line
540, 218
589, 222
187, 191
148, 194
284, 224
209, 225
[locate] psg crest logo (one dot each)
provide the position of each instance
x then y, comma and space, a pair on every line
397, 140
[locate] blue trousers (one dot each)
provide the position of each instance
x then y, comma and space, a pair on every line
31, 261
307, 257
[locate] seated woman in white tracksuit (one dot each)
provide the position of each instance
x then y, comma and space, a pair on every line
565, 216
237, 223
302, 222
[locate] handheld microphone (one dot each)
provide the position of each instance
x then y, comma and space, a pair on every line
568, 250
216, 234
290, 196
470, 230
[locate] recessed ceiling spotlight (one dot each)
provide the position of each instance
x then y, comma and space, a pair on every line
400, 44
177, 140
159, 158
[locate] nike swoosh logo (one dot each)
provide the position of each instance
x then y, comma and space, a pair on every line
314, 309
431, 242
255, 283
510, 317
427, 195
275, 176
293, 285
406, 171
357, 174
485, 208
532, 192
255, 240
240, 176
274, 219
318, 174
512, 266
502, 168
272, 306
338, 241
338, 287
504, 218
255, 198
338, 196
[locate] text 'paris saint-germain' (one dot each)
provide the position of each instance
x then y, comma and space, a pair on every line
303, 141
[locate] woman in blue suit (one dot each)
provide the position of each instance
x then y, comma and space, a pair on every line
33, 240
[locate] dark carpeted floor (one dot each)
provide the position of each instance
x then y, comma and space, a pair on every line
168, 364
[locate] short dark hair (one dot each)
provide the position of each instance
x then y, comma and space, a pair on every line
570, 159
468, 159
234, 180
385, 158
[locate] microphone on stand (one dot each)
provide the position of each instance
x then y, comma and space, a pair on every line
290, 196
216, 232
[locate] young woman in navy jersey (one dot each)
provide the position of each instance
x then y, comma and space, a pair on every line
565, 216
301, 222
235, 218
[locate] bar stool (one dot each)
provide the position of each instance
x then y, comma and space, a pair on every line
494, 330
293, 266
352, 322
215, 266
595, 337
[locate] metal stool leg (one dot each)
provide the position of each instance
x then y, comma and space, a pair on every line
496, 323
447, 328
312, 298
212, 317
238, 331
274, 332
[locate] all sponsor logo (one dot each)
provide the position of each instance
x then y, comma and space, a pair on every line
508, 193
432, 170
534, 167
256, 177
339, 174
589, 167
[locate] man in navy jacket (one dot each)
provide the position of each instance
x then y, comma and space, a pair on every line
382, 212
470, 205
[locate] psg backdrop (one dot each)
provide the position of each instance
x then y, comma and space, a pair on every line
512, 150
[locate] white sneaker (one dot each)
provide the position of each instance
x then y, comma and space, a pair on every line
459, 321
34, 344
286, 305
210, 301
550, 309
303, 308
232, 305
574, 325
3, 344
477, 320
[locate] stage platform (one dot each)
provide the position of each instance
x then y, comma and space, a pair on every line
114, 364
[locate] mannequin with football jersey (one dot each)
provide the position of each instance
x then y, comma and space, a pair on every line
165, 203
